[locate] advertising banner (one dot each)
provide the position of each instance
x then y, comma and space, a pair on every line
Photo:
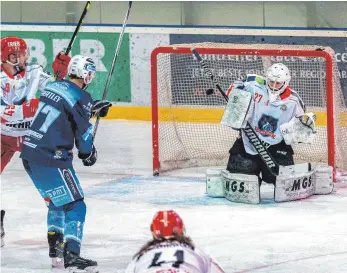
307, 74
100, 47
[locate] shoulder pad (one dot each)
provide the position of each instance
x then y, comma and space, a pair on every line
253, 77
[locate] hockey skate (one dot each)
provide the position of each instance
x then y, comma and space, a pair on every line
76, 264
56, 248
2, 228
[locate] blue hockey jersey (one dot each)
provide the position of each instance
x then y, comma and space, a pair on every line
61, 121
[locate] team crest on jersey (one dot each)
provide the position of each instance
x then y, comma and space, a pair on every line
58, 154
267, 126
284, 107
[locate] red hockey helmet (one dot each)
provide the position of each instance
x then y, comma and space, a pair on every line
12, 45
167, 223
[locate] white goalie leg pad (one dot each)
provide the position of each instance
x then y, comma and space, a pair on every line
241, 188
295, 183
295, 169
238, 110
324, 180
214, 182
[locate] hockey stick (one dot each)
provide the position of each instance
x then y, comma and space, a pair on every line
74, 35
248, 130
68, 49
113, 65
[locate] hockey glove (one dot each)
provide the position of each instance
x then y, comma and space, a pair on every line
308, 119
60, 65
30, 107
89, 159
101, 108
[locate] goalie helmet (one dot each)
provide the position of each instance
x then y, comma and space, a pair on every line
13, 45
82, 67
166, 224
277, 80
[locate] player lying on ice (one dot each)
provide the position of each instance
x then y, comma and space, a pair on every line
170, 250
61, 122
278, 118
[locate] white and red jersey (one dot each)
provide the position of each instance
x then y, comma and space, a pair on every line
269, 116
14, 88
173, 257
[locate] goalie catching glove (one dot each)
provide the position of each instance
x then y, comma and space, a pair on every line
308, 119
299, 129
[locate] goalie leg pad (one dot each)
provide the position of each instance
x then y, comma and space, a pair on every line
214, 183
293, 169
295, 186
241, 188
324, 180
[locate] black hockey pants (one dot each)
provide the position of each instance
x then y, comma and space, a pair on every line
242, 162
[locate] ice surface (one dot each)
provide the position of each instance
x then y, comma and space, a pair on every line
122, 197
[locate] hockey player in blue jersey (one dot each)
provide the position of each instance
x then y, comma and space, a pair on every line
61, 120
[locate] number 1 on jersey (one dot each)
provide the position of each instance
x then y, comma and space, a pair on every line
180, 258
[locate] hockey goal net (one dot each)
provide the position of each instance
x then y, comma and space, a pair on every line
186, 129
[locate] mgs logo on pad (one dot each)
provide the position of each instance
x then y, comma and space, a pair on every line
267, 126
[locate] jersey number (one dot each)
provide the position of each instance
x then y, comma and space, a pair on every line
179, 254
9, 110
258, 97
51, 112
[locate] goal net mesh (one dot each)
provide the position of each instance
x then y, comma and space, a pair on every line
189, 129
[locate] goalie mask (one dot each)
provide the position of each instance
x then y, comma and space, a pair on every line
166, 224
277, 80
14, 51
82, 67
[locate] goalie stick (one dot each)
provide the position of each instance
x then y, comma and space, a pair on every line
113, 65
248, 130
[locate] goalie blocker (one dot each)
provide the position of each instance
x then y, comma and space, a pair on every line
293, 183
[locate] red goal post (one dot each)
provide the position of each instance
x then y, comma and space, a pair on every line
185, 121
